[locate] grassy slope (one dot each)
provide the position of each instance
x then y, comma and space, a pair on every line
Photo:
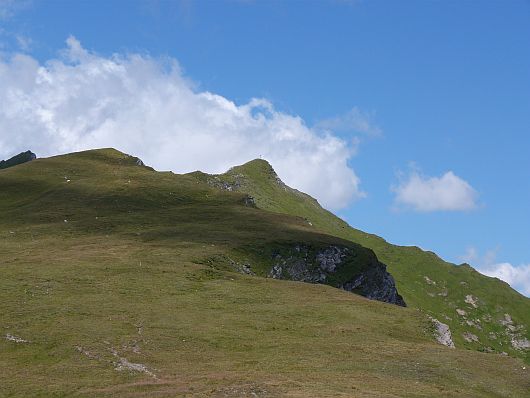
120, 279
415, 270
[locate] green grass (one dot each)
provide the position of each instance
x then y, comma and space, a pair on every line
128, 274
412, 268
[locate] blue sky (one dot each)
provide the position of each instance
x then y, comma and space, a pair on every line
417, 113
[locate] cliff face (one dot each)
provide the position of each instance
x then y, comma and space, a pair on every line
377, 284
18, 159
355, 270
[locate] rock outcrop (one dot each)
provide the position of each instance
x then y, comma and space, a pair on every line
442, 333
356, 270
23, 157
220, 183
139, 162
377, 284
515, 333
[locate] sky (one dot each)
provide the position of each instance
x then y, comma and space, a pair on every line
408, 119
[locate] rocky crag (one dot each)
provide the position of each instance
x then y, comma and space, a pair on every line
23, 157
355, 270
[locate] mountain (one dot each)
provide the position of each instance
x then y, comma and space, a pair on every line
118, 280
23, 157
482, 313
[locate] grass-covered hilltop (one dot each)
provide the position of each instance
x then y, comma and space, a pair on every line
120, 281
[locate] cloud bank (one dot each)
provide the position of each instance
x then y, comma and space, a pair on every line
147, 107
517, 277
426, 194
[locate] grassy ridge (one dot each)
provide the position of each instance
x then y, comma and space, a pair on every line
102, 276
423, 279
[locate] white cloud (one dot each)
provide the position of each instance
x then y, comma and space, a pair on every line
8, 8
517, 277
146, 107
353, 121
425, 194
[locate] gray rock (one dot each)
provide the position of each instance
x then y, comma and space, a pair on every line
377, 284
515, 333
330, 258
231, 186
471, 300
276, 272
520, 343
470, 337
15, 339
443, 333
296, 268
461, 312
244, 269
302, 263
249, 201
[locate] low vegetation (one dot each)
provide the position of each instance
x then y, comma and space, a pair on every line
468, 302
121, 281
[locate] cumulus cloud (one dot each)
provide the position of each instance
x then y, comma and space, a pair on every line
148, 108
426, 194
517, 277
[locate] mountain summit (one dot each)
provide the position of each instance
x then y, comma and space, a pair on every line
23, 157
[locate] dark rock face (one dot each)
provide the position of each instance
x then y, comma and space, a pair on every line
341, 267
249, 201
23, 157
305, 266
376, 284
139, 162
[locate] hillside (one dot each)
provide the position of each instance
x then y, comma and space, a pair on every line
483, 313
118, 280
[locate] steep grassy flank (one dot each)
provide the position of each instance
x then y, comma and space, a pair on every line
103, 293
423, 279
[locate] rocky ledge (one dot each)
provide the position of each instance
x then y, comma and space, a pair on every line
356, 270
